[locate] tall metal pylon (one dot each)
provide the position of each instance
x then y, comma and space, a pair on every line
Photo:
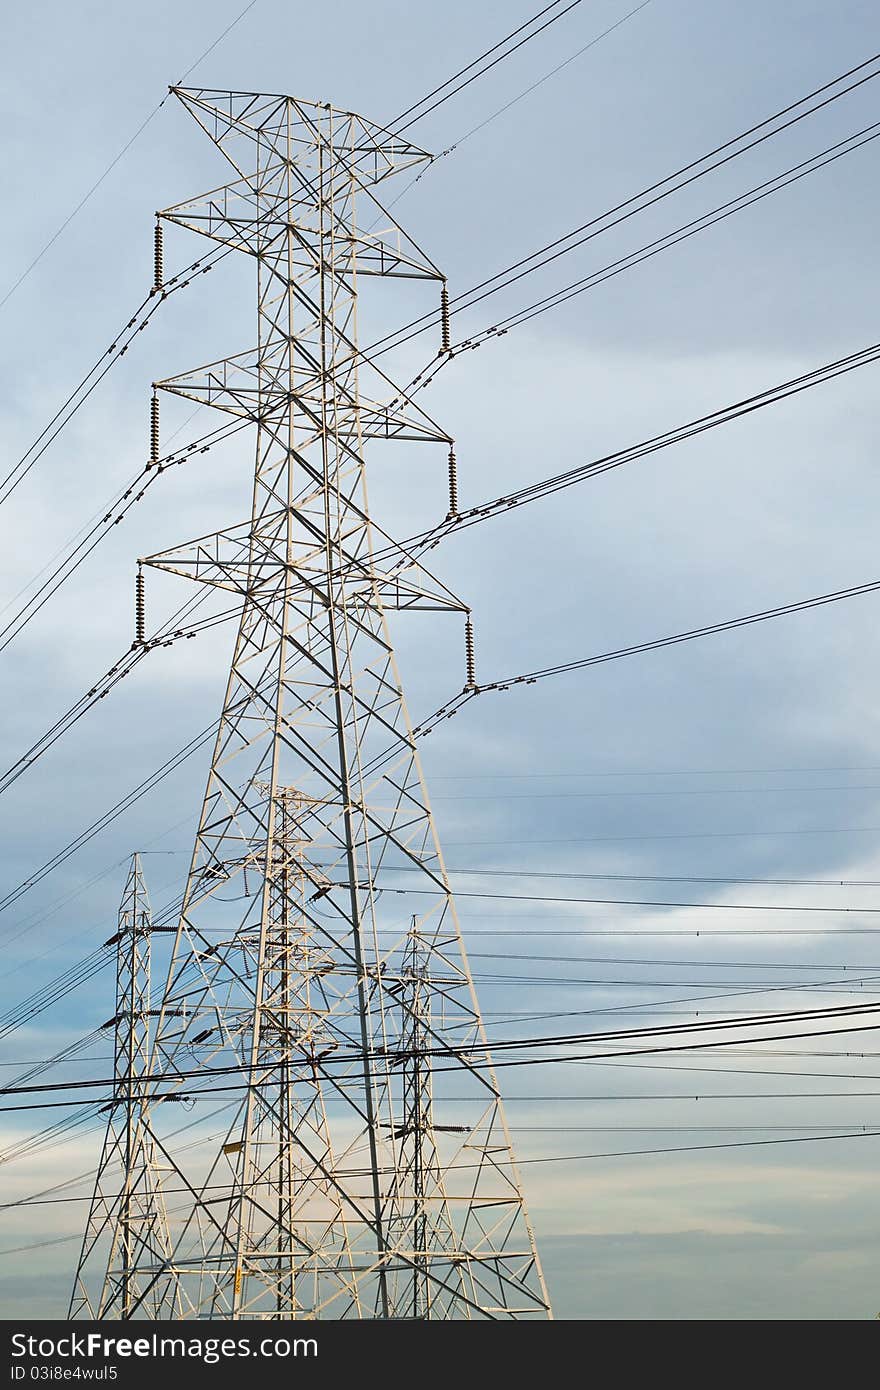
126, 1238
366, 1170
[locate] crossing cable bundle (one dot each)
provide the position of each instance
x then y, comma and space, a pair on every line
835, 986
124, 804
681, 1033
70, 1053
49, 1135
86, 969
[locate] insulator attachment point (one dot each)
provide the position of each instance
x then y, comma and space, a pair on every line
158, 258
453, 487
445, 338
154, 428
470, 662
139, 609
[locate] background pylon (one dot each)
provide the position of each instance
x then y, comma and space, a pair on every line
126, 1246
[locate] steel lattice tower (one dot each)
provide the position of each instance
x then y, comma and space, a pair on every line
126, 1236
366, 1169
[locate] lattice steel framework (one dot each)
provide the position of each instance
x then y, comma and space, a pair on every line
127, 1238
367, 1170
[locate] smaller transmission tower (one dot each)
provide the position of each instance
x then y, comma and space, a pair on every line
127, 1226
424, 1225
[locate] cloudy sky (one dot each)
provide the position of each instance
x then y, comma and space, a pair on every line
752, 755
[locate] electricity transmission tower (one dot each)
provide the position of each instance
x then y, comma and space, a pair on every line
126, 1237
364, 1168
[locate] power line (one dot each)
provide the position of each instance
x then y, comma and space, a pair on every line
702, 1148
653, 791
532, 492
216, 43
140, 320
456, 144
170, 765
175, 628
794, 174
651, 878
676, 1097
754, 832
619, 1153
452, 706
116, 159
649, 902
680, 1128
420, 114
493, 330
41, 1244
749, 619
580, 1158
552, 73
723, 415
119, 509
638, 202
649, 772
825, 1013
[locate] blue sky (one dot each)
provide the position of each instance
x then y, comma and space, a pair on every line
755, 754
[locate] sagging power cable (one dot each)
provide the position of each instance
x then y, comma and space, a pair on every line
140, 320
684, 176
